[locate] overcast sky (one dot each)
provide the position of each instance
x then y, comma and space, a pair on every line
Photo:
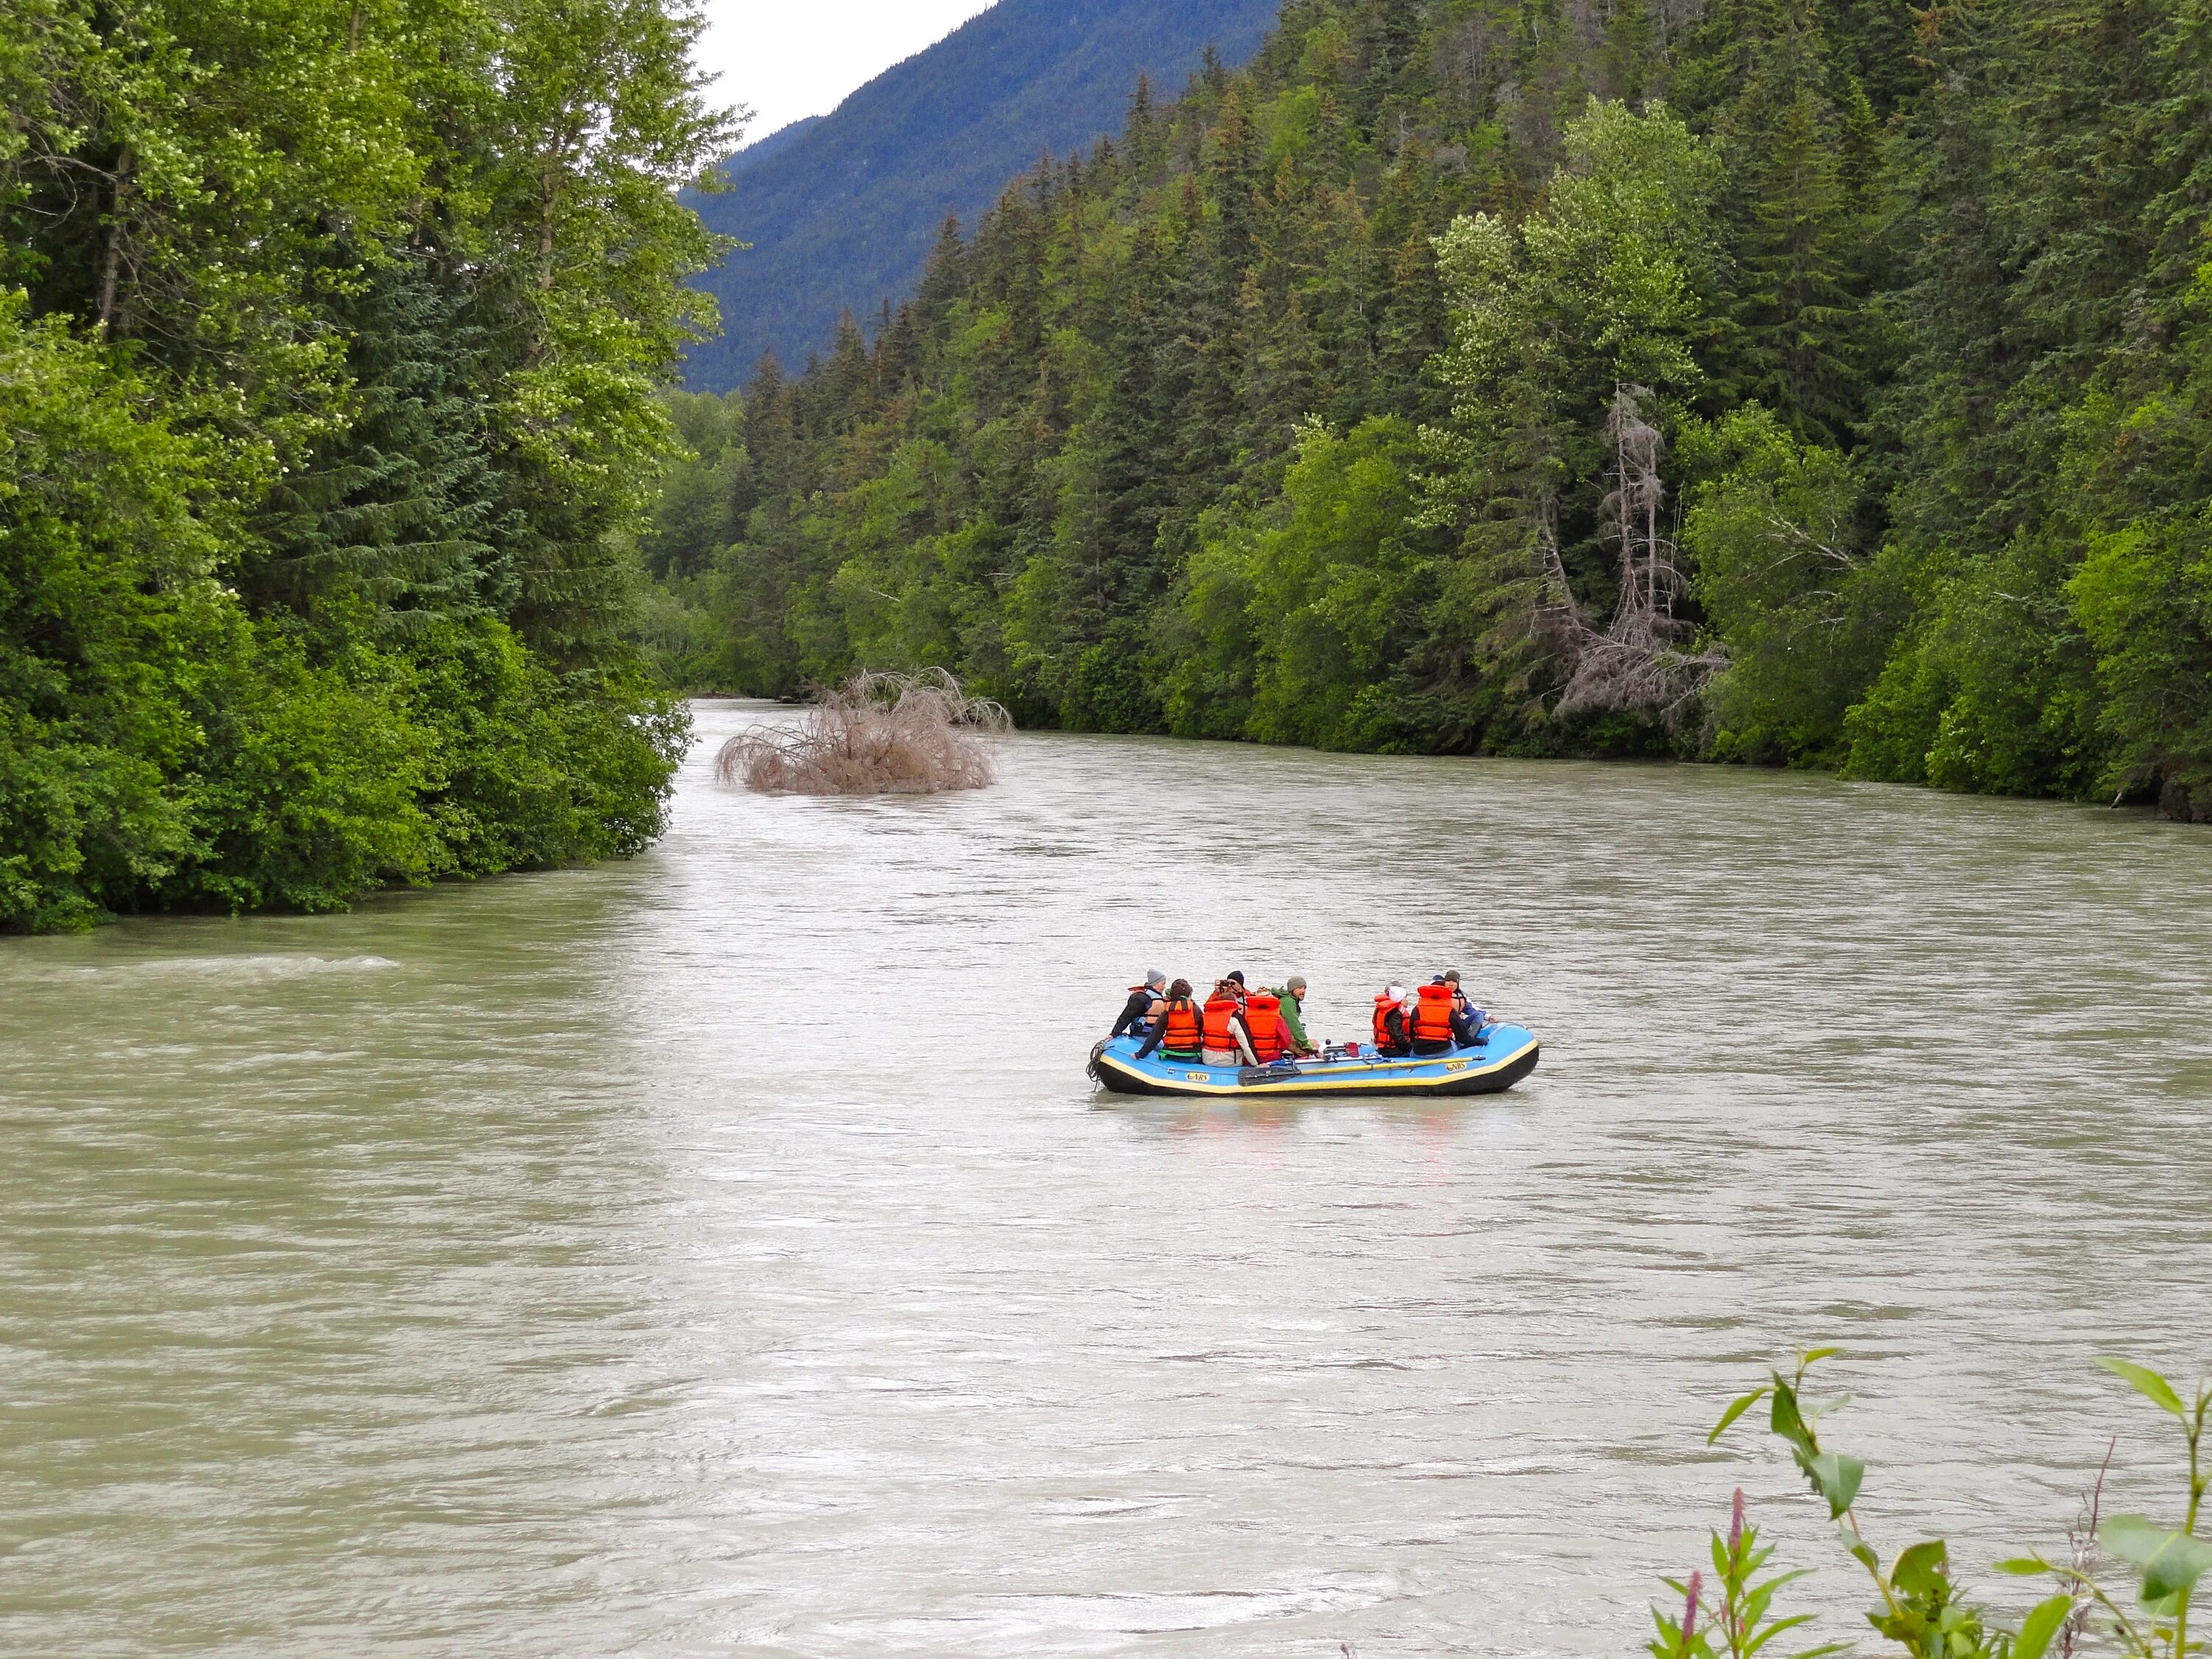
791, 61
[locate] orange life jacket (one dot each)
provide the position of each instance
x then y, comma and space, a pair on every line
1433, 1019
1383, 1004
1265, 1026
1184, 1029
1220, 1012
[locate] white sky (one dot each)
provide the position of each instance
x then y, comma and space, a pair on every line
789, 59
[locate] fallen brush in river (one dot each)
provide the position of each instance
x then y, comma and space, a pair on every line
877, 734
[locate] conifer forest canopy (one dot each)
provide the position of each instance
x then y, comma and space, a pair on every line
332, 340
1824, 382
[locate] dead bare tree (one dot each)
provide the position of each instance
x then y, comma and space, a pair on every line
1643, 659
877, 734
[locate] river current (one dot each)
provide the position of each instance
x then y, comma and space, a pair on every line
725, 1252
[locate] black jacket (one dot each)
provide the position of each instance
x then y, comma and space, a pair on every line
1133, 1012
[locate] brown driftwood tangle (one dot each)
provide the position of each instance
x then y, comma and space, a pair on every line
877, 734
1641, 660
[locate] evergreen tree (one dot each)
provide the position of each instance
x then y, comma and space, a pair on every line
1795, 238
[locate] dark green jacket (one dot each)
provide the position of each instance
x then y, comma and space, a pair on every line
1294, 1016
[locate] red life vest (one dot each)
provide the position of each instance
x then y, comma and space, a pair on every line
1265, 1026
1220, 1011
1184, 1029
1433, 1019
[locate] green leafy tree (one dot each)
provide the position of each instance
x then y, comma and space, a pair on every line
338, 331
1783, 575
1610, 285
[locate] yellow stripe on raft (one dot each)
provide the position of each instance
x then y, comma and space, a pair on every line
1335, 1083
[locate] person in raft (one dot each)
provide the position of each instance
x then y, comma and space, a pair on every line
1179, 1029
1143, 1005
1435, 1025
1392, 1035
1291, 1000
1468, 1020
1265, 1024
1228, 1039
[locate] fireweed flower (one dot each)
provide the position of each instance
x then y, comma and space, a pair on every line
1690, 1612
1735, 1524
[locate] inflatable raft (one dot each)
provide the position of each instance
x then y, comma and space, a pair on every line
1505, 1055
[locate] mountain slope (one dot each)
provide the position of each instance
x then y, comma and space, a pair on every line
843, 213
768, 148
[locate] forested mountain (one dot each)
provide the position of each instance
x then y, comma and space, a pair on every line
841, 212
331, 342
768, 148
1818, 381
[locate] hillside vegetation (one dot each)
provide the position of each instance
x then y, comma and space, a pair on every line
840, 213
331, 341
1824, 383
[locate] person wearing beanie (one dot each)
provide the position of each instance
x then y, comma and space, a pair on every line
1291, 997
1143, 1005
1468, 1020
1228, 1040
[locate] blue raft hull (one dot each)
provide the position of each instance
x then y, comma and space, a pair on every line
1506, 1054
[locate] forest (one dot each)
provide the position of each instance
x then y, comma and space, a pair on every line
333, 342
1819, 383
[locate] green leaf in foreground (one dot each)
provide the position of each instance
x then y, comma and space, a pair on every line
1837, 1479
2170, 1562
1922, 1569
2024, 1566
1788, 1421
1736, 1410
2147, 1383
2044, 1621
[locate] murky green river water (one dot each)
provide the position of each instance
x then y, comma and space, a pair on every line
725, 1252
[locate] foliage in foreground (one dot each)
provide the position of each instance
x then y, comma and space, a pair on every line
877, 734
331, 341
1292, 414
1921, 1608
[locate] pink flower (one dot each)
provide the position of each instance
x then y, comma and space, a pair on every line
1690, 1612
1735, 1524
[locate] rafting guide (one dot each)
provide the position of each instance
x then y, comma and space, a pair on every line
1429, 1040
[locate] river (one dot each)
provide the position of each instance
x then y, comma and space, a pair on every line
725, 1252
